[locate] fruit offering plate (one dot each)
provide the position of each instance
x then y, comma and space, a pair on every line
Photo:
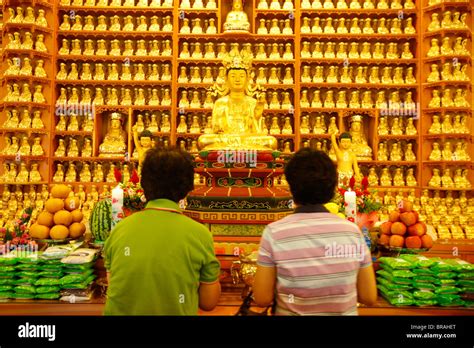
53, 241
396, 251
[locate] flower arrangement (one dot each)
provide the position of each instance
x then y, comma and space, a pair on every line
17, 234
366, 202
133, 195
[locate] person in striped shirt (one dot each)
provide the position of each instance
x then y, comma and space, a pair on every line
313, 262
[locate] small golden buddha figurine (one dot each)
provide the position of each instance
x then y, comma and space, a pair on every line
410, 178
329, 100
85, 174
446, 179
73, 149
447, 152
395, 152
372, 177
35, 175
460, 153
460, 99
37, 149
435, 180
435, 127
319, 126
182, 126
382, 154
341, 101
237, 19
396, 129
38, 96
316, 101
398, 179
61, 149
110, 177
275, 127
435, 101
434, 50
25, 93
71, 173
410, 128
23, 174
59, 175
354, 101
385, 177
465, 180
304, 101
435, 154
435, 23
98, 173
409, 154
86, 150
446, 126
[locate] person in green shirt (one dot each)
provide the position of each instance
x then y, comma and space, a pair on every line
158, 261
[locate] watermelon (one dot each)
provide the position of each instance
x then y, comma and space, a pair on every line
101, 220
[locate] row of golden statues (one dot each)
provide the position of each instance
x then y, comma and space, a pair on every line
275, 5
356, 4
21, 145
275, 26
457, 126
11, 173
356, 50
21, 119
435, 2
16, 42
450, 45
76, 147
358, 74
13, 203
391, 177
15, 94
449, 20
446, 153
75, 123
114, 72
72, 172
261, 51
357, 26
23, 67
26, 16
114, 96
397, 126
399, 151
446, 179
118, 3
448, 72
116, 23
196, 27
444, 98
114, 48
336, 98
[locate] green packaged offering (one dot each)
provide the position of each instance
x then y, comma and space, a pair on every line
424, 303
73, 278
396, 263
424, 279
24, 281
48, 296
447, 290
403, 273
7, 274
47, 289
418, 260
7, 281
445, 282
423, 285
26, 267
392, 293
399, 301
441, 266
28, 274
460, 265
447, 275
6, 295
23, 296
454, 303
85, 274
423, 271
79, 267
6, 288
393, 279
47, 281
391, 286
25, 289
51, 274
7, 269
423, 295
52, 268
466, 275
465, 283
8, 261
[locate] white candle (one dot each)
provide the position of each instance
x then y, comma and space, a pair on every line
117, 205
351, 206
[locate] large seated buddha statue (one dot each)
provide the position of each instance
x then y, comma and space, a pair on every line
237, 121
360, 146
115, 141
237, 20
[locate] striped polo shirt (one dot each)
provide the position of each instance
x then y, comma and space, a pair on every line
317, 256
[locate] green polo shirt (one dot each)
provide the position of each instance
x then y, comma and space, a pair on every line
156, 261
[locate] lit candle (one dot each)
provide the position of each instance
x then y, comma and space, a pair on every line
350, 204
117, 205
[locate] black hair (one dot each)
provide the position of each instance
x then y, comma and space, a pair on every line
312, 177
345, 135
167, 173
146, 133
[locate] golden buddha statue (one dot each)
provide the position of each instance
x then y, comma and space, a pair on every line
395, 152
435, 154
398, 179
347, 165
359, 142
435, 180
115, 141
85, 174
447, 152
73, 149
86, 150
37, 149
372, 177
446, 179
59, 175
409, 154
35, 175
382, 154
319, 126
410, 178
237, 117
237, 20
385, 177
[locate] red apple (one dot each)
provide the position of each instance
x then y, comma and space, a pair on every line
406, 206
385, 227
398, 228
408, 218
394, 216
426, 241
413, 242
417, 229
396, 241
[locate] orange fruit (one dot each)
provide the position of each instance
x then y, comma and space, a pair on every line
76, 230
77, 215
59, 232
54, 205
63, 217
45, 219
71, 203
39, 231
60, 191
